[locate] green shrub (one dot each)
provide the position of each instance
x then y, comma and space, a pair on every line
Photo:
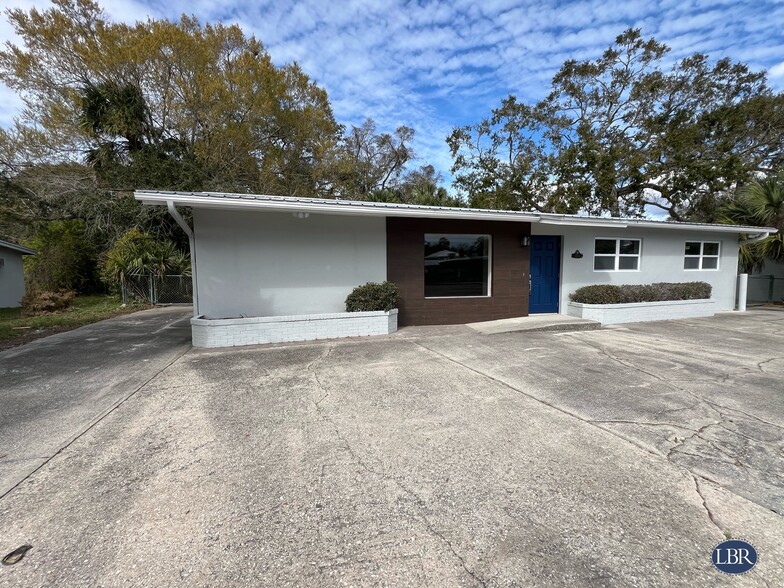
137, 253
609, 294
598, 294
372, 296
65, 259
35, 303
695, 291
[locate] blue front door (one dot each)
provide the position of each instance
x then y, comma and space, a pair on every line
545, 274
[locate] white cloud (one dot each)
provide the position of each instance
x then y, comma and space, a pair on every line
777, 70
437, 64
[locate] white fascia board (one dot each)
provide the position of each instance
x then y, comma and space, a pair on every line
339, 207
707, 228
353, 208
628, 223
586, 222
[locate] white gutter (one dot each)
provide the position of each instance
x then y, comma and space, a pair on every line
339, 207
755, 239
192, 246
293, 204
627, 223
590, 222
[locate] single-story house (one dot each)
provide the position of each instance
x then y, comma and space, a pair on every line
12, 284
274, 268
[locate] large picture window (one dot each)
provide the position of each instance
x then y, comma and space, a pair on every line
701, 255
616, 255
457, 265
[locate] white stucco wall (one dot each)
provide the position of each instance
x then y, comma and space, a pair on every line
272, 264
12, 287
661, 260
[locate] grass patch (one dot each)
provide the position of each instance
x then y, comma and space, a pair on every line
16, 329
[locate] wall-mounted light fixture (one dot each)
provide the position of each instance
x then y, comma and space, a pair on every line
577, 254
525, 241
300, 214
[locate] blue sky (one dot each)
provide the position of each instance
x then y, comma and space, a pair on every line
434, 65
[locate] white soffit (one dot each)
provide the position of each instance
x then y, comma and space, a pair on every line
219, 200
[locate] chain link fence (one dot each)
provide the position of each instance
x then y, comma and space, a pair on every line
157, 289
765, 289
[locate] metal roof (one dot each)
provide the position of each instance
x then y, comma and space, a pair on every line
356, 207
19, 248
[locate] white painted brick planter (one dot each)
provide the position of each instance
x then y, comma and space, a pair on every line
637, 312
280, 329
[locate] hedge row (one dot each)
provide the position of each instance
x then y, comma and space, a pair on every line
609, 294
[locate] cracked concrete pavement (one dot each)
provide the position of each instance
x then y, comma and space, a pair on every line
434, 457
53, 389
706, 394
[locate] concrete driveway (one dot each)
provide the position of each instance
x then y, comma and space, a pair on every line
53, 389
435, 457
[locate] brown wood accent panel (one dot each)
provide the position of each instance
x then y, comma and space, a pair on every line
406, 268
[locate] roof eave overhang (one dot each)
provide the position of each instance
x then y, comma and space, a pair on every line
337, 208
349, 208
626, 223
17, 248
574, 222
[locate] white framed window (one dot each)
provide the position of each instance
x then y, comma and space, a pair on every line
457, 266
616, 255
701, 255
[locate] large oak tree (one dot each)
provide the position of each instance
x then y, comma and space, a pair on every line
624, 132
111, 107
166, 93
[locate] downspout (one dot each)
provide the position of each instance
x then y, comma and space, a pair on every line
192, 245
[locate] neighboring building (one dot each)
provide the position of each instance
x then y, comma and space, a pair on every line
12, 286
272, 256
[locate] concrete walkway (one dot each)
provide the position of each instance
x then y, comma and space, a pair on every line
55, 388
535, 322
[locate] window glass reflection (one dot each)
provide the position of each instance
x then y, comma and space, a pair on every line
456, 265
